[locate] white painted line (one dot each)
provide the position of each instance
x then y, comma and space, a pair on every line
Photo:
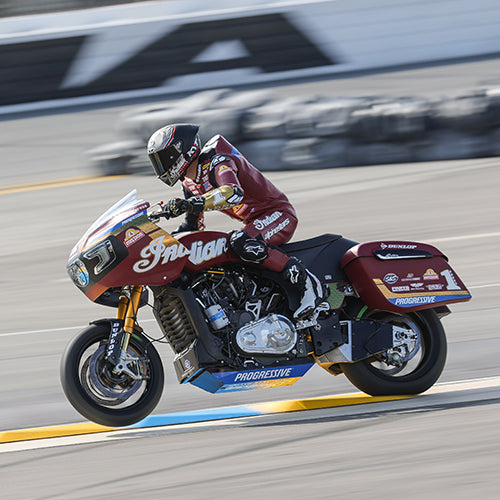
52, 330
465, 237
441, 388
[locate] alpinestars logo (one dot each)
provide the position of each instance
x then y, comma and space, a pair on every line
293, 274
256, 248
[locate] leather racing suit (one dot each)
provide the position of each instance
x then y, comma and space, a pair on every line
229, 183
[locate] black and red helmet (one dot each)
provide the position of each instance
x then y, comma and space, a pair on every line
172, 149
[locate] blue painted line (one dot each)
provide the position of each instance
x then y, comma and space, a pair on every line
196, 416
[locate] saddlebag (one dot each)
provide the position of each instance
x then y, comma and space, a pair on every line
399, 276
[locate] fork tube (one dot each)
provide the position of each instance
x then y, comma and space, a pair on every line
122, 308
130, 315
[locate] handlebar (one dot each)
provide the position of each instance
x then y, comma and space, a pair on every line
164, 212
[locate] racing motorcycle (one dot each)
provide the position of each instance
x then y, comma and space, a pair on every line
230, 324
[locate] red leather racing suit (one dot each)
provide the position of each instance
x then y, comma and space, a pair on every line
264, 210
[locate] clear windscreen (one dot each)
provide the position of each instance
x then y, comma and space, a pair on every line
121, 210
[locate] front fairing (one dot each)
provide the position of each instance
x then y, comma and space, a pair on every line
124, 247
101, 258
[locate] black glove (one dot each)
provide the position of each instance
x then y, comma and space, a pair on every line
179, 206
175, 207
196, 205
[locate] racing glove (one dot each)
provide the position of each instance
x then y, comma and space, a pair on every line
179, 206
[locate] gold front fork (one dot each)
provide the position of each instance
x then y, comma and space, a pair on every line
127, 312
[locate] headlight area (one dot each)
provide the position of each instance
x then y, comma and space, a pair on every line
93, 264
78, 273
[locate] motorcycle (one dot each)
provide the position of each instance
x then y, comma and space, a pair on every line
230, 324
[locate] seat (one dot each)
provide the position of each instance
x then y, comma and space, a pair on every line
321, 255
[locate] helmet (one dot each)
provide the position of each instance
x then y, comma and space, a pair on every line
172, 149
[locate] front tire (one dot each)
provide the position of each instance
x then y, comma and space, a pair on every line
377, 377
99, 394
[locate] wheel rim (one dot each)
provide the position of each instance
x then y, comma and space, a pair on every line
411, 352
106, 388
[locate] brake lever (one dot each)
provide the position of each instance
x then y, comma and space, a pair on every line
162, 212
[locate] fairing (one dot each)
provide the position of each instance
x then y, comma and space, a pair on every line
124, 247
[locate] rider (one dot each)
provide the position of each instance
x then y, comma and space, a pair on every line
219, 177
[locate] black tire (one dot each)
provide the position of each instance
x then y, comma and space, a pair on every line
99, 395
377, 378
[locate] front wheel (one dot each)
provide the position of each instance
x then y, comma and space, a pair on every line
410, 372
100, 394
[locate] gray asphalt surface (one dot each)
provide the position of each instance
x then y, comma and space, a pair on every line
426, 450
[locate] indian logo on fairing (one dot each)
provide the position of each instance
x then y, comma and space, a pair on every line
159, 253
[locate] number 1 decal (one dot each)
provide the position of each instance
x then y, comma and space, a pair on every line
451, 282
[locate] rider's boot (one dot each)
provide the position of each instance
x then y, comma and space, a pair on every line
309, 285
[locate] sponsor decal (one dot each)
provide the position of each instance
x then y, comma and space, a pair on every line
392, 245
219, 159
261, 378
413, 301
435, 286
391, 278
416, 285
430, 274
240, 209
277, 229
131, 218
192, 150
410, 277
263, 374
404, 288
260, 224
115, 339
159, 253
132, 235
222, 168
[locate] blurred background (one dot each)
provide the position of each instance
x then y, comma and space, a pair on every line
380, 120
30, 7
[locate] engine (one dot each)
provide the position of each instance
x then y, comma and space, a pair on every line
248, 313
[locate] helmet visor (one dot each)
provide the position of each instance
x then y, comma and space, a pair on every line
169, 164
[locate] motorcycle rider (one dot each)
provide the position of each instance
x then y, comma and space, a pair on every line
219, 177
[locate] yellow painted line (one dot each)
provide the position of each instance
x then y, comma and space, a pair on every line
54, 183
322, 402
256, 409
52, 432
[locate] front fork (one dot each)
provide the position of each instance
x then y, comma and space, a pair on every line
126, 316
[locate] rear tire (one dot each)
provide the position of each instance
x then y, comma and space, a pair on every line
377, 378
100, 395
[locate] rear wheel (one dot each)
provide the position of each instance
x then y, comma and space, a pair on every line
409, 369
100, 393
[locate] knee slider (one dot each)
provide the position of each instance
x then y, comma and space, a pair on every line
249, 249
